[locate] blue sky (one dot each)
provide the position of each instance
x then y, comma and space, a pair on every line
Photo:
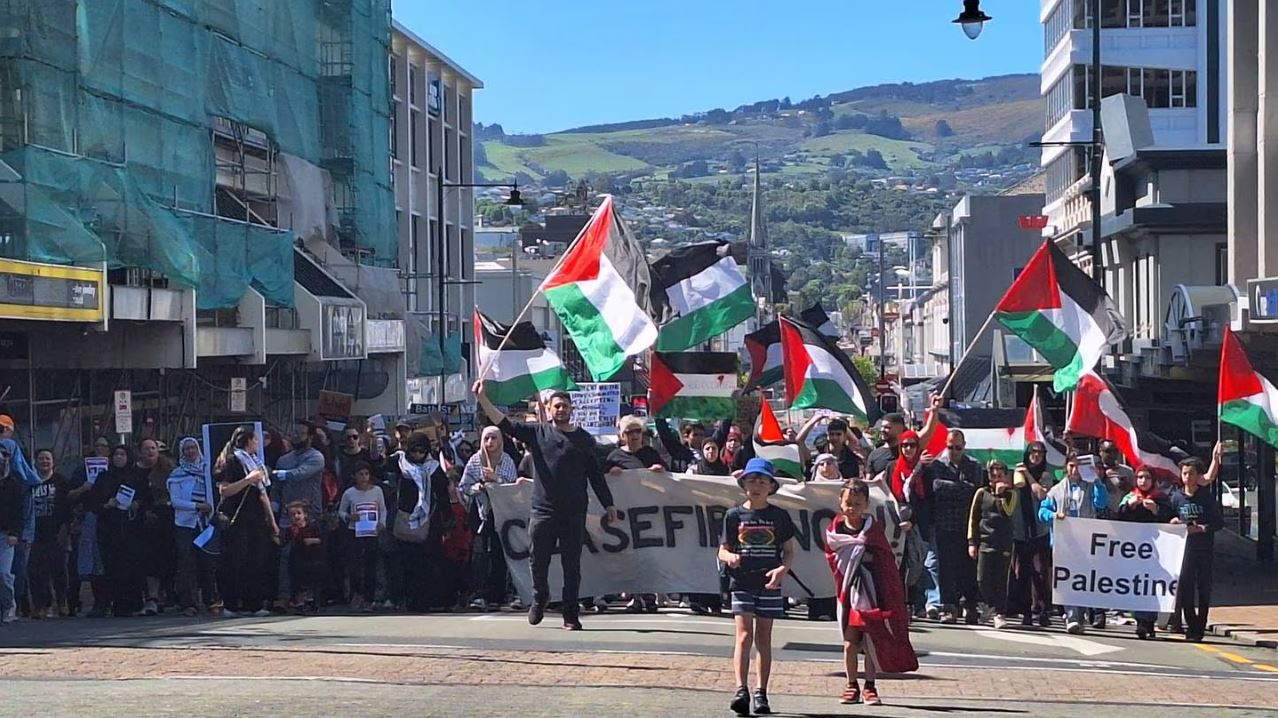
554, 65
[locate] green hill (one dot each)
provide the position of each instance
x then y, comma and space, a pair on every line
902, 128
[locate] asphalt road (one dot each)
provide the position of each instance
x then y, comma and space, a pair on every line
1027, 657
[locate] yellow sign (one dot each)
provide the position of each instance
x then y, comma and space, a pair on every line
30, 290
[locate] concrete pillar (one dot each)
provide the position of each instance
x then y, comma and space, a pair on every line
1243, 48
1267, 141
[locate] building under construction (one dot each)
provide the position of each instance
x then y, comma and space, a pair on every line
196, 205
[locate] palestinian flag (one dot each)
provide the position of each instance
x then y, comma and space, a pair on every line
693, 385
1099, 412
818, 375
1246, 398
523, 367
764, 348
989, 433
601, 292
770, 444
706, 294
815, 316
1057, 309
1036, 429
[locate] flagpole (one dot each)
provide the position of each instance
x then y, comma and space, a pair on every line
486, 368
945, 390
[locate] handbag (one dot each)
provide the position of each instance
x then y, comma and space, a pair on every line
410, 535
221, 523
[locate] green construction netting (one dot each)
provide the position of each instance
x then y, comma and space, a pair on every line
127, 92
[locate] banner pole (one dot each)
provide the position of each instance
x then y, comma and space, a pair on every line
945, 390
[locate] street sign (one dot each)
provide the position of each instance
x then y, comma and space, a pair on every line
124, 412
1033, 221
239, 394
423, 408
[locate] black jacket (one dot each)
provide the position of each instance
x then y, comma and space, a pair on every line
11, 501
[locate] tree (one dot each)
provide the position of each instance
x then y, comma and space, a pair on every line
943, 129
865, 365
821, 128
785, 103
718, 116
556, 178
737, 160
837, 160
844, 122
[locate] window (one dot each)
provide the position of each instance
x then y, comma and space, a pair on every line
1161, 88
413, 234
414, 122
1062, 172
1060, 100
1222, 264
1135, 13
1057, 25
246, 179
394, 132
414, 97
393, 69
1157, 88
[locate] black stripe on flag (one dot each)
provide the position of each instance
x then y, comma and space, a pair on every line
1087, 294
524, 336
812, 337
814, 315
699, 362
686, 262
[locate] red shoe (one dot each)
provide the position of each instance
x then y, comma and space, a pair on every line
870, 696
851, 694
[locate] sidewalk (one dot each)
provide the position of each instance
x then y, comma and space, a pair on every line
1245, 594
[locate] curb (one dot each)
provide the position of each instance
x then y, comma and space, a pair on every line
1241, 634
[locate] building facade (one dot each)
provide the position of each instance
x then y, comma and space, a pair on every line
431, 153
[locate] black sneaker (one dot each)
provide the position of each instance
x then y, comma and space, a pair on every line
761, 706
536, 612
741, 702
572, 623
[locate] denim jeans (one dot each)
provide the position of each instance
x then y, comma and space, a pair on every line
1075, 614
931, 580
7, 553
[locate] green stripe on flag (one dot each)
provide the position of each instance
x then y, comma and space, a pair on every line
1038, 330
707, 322
700, 408
590, 333
826, 394
1251, 418
515, 389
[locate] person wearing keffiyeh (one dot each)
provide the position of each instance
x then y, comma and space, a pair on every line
423, 500
905, 477
1146, 503
192, 509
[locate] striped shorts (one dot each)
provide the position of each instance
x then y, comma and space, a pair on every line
764, 603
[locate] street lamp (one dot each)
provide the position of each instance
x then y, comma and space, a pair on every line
441, 280
972, 19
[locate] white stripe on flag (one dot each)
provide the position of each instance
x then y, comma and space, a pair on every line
707, 384
824, 366
706, 287
508, 363
632, 329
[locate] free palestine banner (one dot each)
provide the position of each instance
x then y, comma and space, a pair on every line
1116, 564
668, 537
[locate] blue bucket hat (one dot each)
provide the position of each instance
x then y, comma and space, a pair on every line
762, 467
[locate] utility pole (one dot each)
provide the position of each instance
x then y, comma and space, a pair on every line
1098, 273
882, 317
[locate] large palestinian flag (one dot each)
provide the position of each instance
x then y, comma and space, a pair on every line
602, 294
815, 316
523, 367
1057, 309
764, 348
818, 375
693, 385
705, 292
770, 443
1099, 412
1246, 398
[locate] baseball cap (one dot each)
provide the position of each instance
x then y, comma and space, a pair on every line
7, 422
763, 467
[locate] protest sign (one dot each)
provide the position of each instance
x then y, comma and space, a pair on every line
668, 537
93, 467
1116, 564
596, 408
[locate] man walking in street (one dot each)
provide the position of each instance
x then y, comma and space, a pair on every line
954, 479
564, 459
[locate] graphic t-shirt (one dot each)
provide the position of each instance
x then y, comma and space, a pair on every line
51, 507
759, 537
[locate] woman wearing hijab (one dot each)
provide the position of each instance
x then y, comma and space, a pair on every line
424, 508
491, 466
120, 497
1146, 503
826, 468
1030, 587
711, 462
192, 508
247, 536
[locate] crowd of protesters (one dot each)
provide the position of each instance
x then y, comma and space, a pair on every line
401, 520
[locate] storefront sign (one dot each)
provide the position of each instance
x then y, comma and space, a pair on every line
239, 394
343, 331
30, 290
1262, 299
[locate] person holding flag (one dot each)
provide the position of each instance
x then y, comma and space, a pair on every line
564, 460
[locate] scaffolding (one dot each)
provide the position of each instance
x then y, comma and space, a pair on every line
145, 134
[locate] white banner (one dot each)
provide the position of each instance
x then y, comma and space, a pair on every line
668, 537
1116, 564
596, 408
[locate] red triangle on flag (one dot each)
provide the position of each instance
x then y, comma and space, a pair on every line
795, 359
1035, 288
582, 260
1238, 379
664, 385
769, 428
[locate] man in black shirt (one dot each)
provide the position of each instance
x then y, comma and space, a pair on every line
836, 442
892, 427
564, 460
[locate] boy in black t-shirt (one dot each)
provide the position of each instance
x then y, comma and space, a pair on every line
758, 548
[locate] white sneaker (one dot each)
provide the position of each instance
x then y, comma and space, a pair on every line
1074, 627
228, 613
517, 605
261, 613
999, 622
933, 612
479, 604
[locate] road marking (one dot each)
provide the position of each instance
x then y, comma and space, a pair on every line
672, 621
1053, 640
1232, 657
1265, 668
1082, 663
